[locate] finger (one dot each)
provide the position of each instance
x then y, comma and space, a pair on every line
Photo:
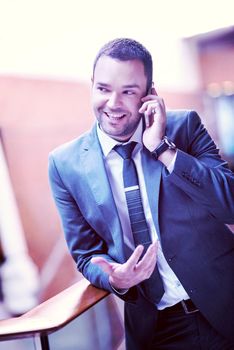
149, 258
153, 108
153, 102
103, 264
147, 120
134, 258
149, 97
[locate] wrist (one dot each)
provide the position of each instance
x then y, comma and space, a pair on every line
117, 289
153, 146
167, 158
165, 146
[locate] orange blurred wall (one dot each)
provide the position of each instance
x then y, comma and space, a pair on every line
35, 117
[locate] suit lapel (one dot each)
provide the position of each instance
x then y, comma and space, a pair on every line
97, 179
152, 173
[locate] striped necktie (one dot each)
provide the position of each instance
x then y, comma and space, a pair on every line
152, 287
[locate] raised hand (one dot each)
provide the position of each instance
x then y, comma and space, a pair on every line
133, 271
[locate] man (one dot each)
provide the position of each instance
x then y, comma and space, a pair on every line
178, 285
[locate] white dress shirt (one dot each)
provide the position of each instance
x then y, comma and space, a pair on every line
174, 291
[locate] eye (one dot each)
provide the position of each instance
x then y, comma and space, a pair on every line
102, 89
129, 92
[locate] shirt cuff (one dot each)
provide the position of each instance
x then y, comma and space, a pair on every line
120, 291
170, 167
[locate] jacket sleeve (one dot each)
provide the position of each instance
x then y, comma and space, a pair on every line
83, 242
200, 172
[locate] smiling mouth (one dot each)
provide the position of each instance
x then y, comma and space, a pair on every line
115, 116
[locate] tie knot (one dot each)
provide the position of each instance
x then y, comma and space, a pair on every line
125, 151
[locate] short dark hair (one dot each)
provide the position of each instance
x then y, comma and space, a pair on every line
125, 49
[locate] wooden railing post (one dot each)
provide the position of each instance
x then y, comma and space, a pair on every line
44, 342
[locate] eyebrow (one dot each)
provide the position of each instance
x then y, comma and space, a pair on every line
131, 86
128, 86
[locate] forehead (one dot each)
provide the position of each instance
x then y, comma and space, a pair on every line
110, 70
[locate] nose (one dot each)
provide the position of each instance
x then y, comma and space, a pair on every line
113, 101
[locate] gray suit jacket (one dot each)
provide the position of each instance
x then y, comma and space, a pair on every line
190, 208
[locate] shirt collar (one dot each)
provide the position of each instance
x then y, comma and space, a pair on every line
107, 143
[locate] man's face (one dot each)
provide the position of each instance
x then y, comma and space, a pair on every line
118, 87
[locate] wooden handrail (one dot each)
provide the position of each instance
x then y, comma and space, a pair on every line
54, 313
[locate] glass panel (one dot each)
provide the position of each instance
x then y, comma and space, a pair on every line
99, 328
18, 344
225, 123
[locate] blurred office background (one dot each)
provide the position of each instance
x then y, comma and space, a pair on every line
47, 49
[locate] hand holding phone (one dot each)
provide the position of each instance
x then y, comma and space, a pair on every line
153, 108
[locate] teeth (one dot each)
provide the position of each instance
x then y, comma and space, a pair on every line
115, 116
